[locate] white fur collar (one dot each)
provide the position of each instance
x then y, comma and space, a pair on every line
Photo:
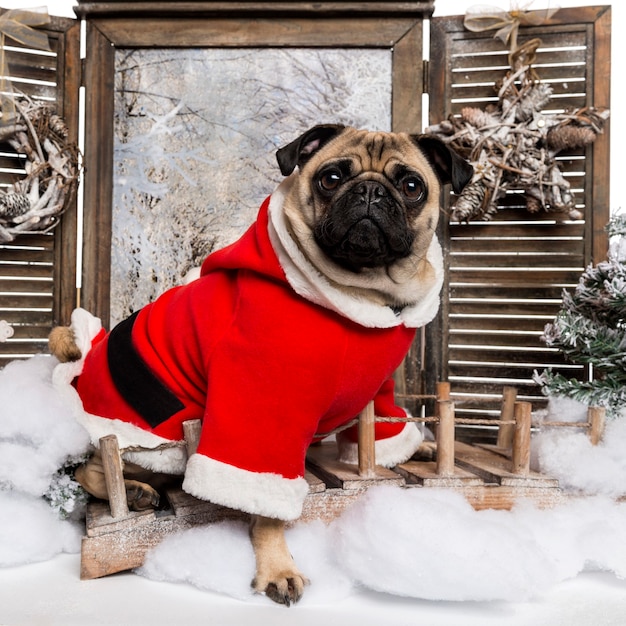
308, 282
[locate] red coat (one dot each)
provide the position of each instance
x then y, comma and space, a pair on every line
264, 368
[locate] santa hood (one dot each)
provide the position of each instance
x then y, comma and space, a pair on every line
268, 248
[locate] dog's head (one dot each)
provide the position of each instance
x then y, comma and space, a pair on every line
368, 200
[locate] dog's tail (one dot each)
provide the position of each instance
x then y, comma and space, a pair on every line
62, 344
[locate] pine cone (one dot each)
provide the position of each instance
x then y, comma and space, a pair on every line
13, 205
58, 126
533, 205
476, 117
567, 137
470, 203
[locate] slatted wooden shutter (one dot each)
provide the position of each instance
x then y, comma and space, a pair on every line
38, 272
505, 277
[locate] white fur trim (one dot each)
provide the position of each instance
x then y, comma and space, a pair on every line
311, 284
389, 452
259, 493
85, 327
171, 460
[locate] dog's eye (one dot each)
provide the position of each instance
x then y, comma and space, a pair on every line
413, 188
330, 179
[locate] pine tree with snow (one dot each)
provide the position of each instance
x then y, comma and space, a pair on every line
590, 329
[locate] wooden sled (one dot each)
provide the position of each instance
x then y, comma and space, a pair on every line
489, 476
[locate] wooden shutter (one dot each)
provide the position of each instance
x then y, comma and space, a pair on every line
38, 272
504, 277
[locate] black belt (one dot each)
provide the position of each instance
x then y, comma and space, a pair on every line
135, 381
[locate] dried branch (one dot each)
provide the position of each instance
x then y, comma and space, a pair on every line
36, 202
513, 145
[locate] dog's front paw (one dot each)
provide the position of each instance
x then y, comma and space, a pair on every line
141, 496
285, 587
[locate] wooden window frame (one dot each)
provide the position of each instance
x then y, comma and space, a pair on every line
67, 33
396, 26
596, 22
597, 19
51, 255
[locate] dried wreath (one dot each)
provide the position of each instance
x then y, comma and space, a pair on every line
51, 162
513, 145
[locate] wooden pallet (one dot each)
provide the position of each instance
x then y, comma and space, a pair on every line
114, 544
488, 476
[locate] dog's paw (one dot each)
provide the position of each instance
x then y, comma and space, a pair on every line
426, 452
284, 588
141, 496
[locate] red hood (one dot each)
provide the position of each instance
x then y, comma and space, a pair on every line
253, 251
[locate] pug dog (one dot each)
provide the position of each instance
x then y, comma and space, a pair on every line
287, 334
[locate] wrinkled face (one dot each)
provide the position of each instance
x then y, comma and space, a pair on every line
370, 200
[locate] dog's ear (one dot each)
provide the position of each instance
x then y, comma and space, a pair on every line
299, 151
450, 167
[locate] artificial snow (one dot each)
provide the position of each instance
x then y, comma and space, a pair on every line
37, 431
568, 455
31, 531
220, 558
419, 543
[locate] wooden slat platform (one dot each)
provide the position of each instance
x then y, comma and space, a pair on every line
321, 461
494, 468
482, 476
116, 544
424, 474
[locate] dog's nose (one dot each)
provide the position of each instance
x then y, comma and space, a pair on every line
371, 191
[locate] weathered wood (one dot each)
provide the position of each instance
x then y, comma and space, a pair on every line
507, 414
493, 468
445, 439
408, 80
557, 247
504, 497
32, 318
69, 82
98, 176
367, 442
597, 417
48, 256
29, 271
99, 520
520, 457
503, 272
553, 261
597, 195
329, 505
191, 432
224, 32
443, 390
113, 546
316, 485
426, 474
203, 8
319, 26
114, 476
505, 228
468, 348
322, 462
117, 544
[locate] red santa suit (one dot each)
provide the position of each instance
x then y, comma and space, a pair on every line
266, 352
